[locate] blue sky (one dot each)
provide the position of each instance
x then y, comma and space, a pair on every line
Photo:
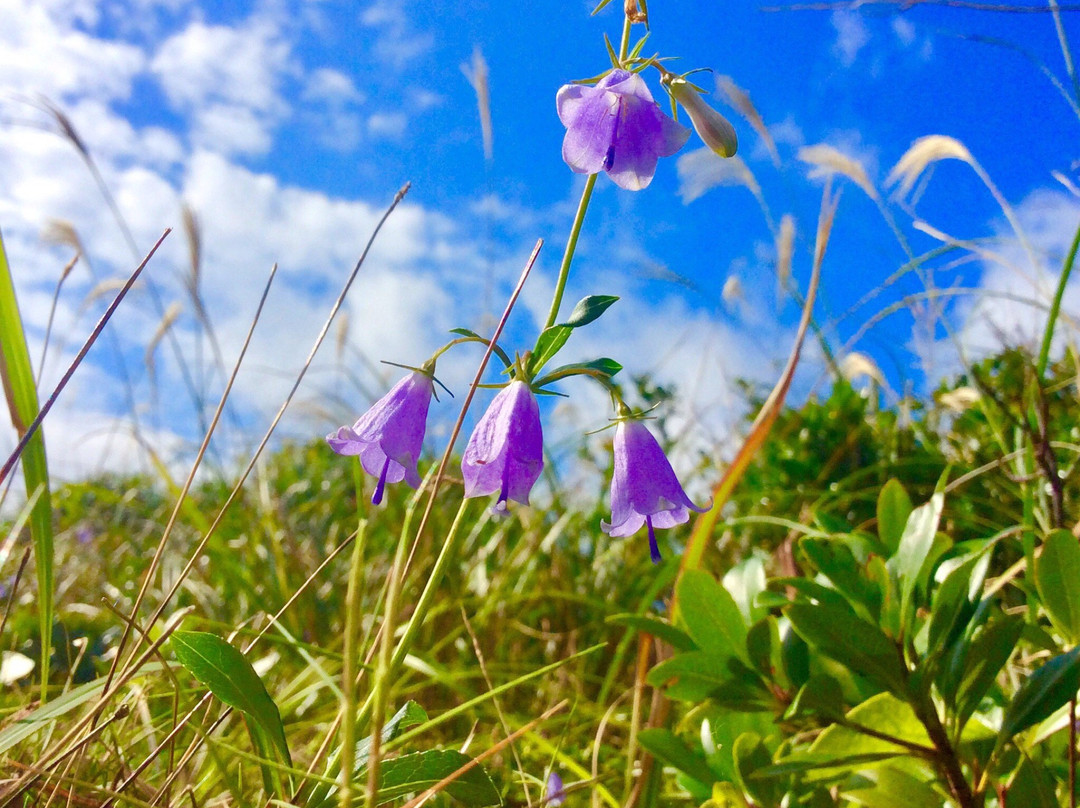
287, 126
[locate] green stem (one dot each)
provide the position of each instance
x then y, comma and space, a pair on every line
1055, 308
353, 598
571, 246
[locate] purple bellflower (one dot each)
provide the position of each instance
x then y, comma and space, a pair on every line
506, 450
389, 436
644, 489
617, 127
554, 791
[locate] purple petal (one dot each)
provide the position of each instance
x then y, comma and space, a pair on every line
643, 135
590, 129
505, 451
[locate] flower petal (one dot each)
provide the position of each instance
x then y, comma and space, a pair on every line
589, 135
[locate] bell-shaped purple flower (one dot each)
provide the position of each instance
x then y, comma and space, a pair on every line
644, 489
617, 127
554, 790
390, 435
506, 450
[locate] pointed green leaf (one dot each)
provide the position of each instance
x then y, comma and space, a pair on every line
712, 618
978, 668
230, 677
664, 745
889, 787
1047, 689
1057, 576
411, 714
547, 345
420, 771
588, 309
893, 509
914, 552
657, 628
839, 634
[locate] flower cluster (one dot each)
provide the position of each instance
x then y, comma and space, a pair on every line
612, 125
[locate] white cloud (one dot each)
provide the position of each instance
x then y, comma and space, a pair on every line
387, 125
396, 43
852, 35
228, 81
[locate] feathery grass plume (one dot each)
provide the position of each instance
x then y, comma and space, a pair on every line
171, 315
194, 240
341, 336
105, 287
701, 170
785, 251
960, 399
1070, 186
477, 75
827, 161
732, 293
924, 152
62, 232
737, 97
858, 365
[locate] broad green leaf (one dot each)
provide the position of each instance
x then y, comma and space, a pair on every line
668, 747
230, 677
914, 552
1057, 576
411, 714
952, 604
712, 618
795, 655
834, 559
889, 787
820, 696
887, 716
751, 756
801, 762
1047, 689
588, 309
839, 634
1031, 786
893, 509
978, 668
725, 795
763, 648
547, 345
422, 770
697, 674
673, 636
20, 391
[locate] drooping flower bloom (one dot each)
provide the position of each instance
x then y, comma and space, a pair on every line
389, 436
644, 489
713, 128
554, 792
617, 127
506, 450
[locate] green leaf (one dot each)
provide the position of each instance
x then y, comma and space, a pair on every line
411, 714
664, 745
751, 756
1047, 689
1057, 576
886, 715
763, 646
699, 674
588, 309
547, 345
657, 628
839, 634
20, 390
834, 559
914, 553
230, 677
893, 509
820, 696
978, 668
889, 787
420, 771
745, 581
953, 604
712, 618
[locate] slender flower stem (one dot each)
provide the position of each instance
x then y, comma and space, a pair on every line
1055, 307
353, 599
583, 205
571, 246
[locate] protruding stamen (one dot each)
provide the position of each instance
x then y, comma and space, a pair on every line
376, 498
654, 548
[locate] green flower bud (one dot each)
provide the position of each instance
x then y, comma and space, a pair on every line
711, 126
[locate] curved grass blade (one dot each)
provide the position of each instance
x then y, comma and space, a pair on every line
21, 392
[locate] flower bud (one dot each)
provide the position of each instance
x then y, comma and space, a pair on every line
711, 126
